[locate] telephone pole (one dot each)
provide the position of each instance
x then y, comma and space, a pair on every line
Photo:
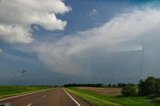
22, 74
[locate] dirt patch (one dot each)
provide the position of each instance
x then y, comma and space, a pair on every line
104, 91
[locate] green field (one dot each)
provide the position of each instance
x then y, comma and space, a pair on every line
15, 90
101, 100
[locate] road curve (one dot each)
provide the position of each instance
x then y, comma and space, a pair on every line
55, 97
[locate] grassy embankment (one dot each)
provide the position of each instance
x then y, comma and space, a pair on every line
96, 99
6, 91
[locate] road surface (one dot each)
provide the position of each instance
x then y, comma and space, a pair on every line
54, 97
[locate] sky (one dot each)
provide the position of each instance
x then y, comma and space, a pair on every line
79, 41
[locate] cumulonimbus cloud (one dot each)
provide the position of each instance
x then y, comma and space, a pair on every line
72, 53
1, 51
17, 16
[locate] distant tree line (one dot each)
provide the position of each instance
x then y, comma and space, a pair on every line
83, 85
119, 85
42, 86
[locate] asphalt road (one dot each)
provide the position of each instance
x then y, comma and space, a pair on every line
55, 97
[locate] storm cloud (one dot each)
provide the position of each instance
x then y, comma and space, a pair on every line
114, 49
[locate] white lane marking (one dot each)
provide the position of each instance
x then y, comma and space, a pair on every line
71, 97
44, 96
29, 104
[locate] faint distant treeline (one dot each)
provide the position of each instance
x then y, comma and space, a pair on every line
43, 86
83, 85
98, 85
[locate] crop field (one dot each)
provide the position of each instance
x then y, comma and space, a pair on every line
104, 91
94, 98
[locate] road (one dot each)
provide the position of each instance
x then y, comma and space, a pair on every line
54, 97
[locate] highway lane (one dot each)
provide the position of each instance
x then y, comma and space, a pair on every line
55, 97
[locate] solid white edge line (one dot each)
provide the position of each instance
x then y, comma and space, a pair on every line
29, 104
71, 97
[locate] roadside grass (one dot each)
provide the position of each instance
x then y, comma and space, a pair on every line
6, 91
93, 100
101, 100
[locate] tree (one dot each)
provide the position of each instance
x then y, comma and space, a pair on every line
129, 91
121, 85
149, 87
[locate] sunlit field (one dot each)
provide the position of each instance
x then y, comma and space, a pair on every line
104, 90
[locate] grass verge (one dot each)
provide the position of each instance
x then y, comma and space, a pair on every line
96, 99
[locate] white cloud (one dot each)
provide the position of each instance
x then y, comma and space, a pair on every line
17, 16
15, 34
122, 33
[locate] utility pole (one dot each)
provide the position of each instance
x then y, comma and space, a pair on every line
22, 74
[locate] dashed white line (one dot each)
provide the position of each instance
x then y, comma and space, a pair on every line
71, 97
29, 104
44, 96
